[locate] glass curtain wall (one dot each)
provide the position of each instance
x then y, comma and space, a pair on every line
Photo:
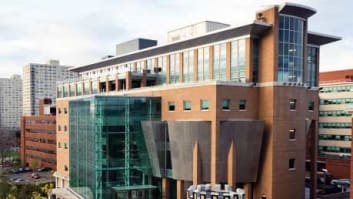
219, 62
162, 69
174, 68
237, 62
312, 66
203, 55
188, 66
290, 48
108, 156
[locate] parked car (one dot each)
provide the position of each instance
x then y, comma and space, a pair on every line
43, 169
18, 180
27, 169
35, 176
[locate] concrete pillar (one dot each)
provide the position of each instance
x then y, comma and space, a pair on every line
107, 86
128, 81
117, 83
196, 165
165, 188
196, 68
168, 70
248, 60
214, 141
180, 189
210, 64
248, 191
231, 167
228, 57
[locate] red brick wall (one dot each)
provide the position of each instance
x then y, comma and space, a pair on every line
336, 76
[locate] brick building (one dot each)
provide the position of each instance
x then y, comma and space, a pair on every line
38, 137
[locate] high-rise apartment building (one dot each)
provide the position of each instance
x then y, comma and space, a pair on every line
11, 102
39, 81
235, 107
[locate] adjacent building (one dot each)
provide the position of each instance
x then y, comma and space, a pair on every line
39, 81
38, 137
336, 95
11, 102
237, 107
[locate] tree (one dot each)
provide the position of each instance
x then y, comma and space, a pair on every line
7, 142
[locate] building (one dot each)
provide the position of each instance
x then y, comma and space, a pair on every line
194, 30
38, 137
11, 102
336, 93
39, 81
237, 106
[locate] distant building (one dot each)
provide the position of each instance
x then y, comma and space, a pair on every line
39, 81
38, 137
10, 102
194, 30
336, 94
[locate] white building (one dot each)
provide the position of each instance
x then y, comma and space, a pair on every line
194, 30
39, 81
10, 102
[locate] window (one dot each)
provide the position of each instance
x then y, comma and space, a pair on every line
292, 104
59, 110
238, 60
188, 66
66, 168
65, 110
171, 106
242, 104
65, 128
292, 134
59, 145
311, 106
59, 128
204, 104
203, 63
226, 104
187, 105
65, 145
219, 62
292, 164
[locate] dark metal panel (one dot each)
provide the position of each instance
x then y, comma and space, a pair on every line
320, 39
247, 138
183, 135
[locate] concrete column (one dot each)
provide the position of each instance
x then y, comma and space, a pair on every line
231, 167
248, 191
196, 165
128, 81
181, 68
214, 141
196, 68
165, 188
144, 79
90, 86
210, 64
180, 189
98, 85
228, 57
168, 70
117, 83
107, 86
248, 60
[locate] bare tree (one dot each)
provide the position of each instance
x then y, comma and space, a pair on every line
7, 143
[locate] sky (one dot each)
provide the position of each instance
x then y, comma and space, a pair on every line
79, 32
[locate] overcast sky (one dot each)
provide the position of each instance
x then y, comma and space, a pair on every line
79, 32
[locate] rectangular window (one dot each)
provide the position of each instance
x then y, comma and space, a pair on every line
187, 105
171, 106
219, 62
226, 104
292, 164
204, 105
311, 106
292, 104
174, 68
242, 104
292, 134
188, 66
202, 63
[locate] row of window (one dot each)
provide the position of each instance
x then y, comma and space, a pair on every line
335, 125
40, 150
336, 89
41, 159
41, 131
336, 101
65, 128
204, 105
38, 121
65, 145
41, 140
335, 137
335, 113
59, 110
334, 149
